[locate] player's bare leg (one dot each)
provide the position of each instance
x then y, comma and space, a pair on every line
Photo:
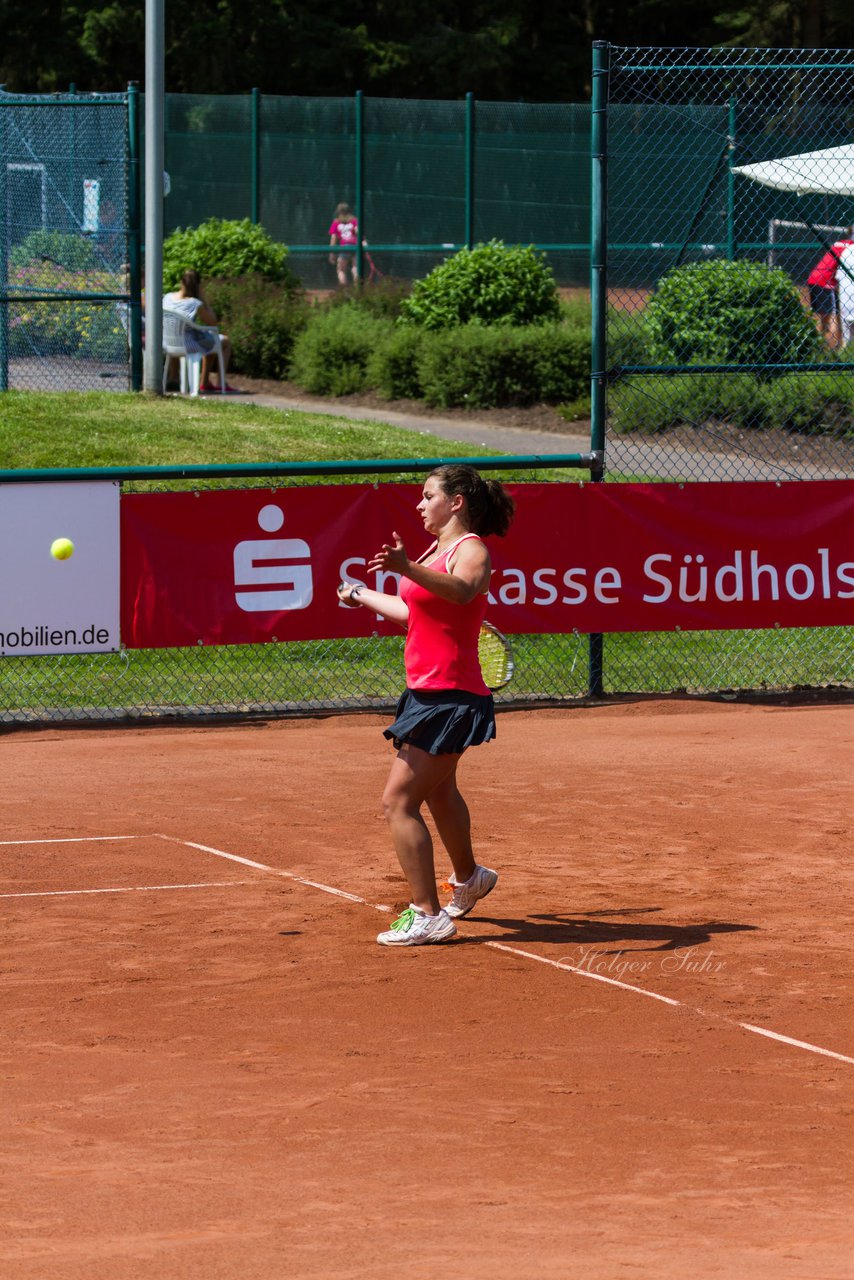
453, 822
414, 776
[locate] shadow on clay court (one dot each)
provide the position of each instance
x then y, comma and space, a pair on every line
574, 930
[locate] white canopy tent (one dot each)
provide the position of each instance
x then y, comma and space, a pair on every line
828, 172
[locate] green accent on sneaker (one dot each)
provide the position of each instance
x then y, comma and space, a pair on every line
405, 920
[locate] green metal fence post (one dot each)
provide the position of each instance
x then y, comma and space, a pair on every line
256, 156
598, 300
134, 234
469, 163
730, 182
360, 183
4, 258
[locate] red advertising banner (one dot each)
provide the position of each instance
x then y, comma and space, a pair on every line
256, 565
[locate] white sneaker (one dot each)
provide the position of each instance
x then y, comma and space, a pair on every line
414, 928
481, 882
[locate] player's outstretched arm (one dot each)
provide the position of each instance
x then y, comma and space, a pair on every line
354, 595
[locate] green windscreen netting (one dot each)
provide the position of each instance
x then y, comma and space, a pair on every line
432, 175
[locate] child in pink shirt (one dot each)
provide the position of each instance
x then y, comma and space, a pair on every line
344, 231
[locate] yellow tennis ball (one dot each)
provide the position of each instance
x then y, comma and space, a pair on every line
62, 548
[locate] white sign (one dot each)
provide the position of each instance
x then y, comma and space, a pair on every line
272, 561
50, 605
91, 204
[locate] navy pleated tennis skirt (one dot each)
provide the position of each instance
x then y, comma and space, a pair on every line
443, 721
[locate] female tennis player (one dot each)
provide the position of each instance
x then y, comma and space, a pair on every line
446, 707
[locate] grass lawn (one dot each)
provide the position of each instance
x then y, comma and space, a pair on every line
111, 429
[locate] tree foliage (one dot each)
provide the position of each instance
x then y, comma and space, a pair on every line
501, 50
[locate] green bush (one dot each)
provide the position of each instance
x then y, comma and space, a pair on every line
384, 299
722, 312
629, 340
227, 250
331, 354
75, 253
561, 361
800, 402
686, 400
262, 319
488, 285
485, 368
392, 368
576, 311
809, 403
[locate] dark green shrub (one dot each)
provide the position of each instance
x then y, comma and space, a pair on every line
227, 250
262, 320
392, 368
384, 298
810, 403
687, 400
802, 402
488, 285
486, 368
75, 253
576, 312
723, 312
629, 340
561, 360
331, 354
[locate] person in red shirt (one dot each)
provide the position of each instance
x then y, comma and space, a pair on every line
344, 233
822, 282
446, 707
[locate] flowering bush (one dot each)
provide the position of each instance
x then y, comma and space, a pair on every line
75, 327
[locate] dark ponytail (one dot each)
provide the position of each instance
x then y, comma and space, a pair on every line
490, 507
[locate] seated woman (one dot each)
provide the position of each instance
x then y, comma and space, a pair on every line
188, 300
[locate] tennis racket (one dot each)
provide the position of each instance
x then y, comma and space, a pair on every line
496, 657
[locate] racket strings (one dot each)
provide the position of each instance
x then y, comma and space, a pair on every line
496, 659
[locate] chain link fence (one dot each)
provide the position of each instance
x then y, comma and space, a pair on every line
262, 679
726, 180
64, 242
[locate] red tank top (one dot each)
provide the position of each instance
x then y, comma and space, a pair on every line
441, 637
824, 272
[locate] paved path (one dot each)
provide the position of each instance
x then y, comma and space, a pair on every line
503, 439
636, 455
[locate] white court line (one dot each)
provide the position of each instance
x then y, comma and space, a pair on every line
530, 955
74, 839
275, 871
653, 995
353, 897
583, 973
799, 1044
137, 888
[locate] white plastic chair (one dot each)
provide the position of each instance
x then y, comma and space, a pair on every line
176, 328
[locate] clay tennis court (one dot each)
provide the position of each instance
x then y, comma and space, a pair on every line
210, 1070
